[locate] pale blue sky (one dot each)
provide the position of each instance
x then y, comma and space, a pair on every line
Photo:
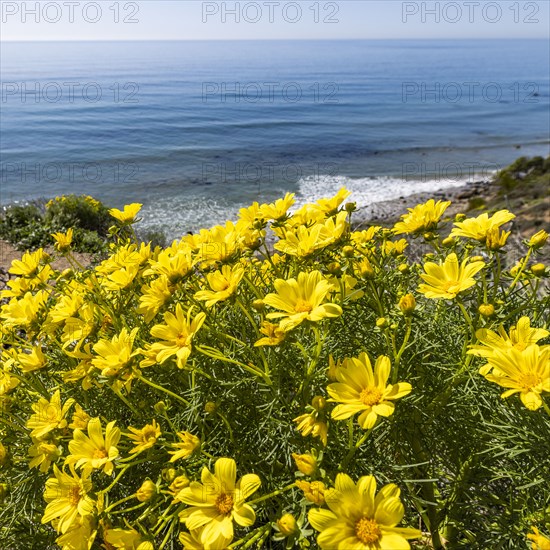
275, 19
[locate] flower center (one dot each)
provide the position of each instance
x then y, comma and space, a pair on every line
181, 340
224, 504
451, 286
302, 306
100, 453
52, 414
370, 396
73, 495
529, 380
149, 434
367, 531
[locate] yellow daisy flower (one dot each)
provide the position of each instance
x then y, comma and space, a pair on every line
525, 372
80, 536
189, 444
521, 336
360, 390
145, 437
177, 335
218, 501
360, 519
94, 451
278, 209
301, 299
63, 241
448, 279
128, 215
274, 335
67, 498
540, 542
115, 354
477, 228
48, 415
223, 283
126, 539
42, 453
314, 491
423, 217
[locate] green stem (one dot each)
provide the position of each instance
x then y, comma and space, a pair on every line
161, 389
353, 450
401, 350
273, 494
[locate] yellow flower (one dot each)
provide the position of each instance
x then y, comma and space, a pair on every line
192, 541
80, 536
29, 264
521, 336
32, 361
147, 491
7, 381
189, 444
360, 519
63, 241
287, 525
360, 390
144, 438
128, 215
423, 217
329, 206
179, 483
525, 372
67, 498
538, 240
177, 335
80, 418
48, 415
43, 453
314, 491
540, 542
93, 451
274, 335
126, 539
310, 424
478, 228
306, 463
223, 284
24, 312
218, 501
301, 299
153, 297
448, 279
278, 209
114, 355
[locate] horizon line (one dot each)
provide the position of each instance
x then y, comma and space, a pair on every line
276, 39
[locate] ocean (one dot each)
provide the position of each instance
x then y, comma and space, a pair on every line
195, 130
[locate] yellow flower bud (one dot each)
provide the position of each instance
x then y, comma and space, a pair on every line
407, 304
429, 236
147, 491
287, 525
404, 268
314, 491
210, 407
4, 491
160, 407
179, 483
448, 242
487, 310
318, 402
333, 367
460, 217
381, 322
538, 240
538, 269
334, 268
258, 305
348, 251
476, 259
306, 463
169, 474
350, 207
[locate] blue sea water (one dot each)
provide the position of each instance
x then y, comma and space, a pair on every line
195, 130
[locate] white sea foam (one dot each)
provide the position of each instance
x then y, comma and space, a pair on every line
176, 216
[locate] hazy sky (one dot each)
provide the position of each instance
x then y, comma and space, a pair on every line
271, 19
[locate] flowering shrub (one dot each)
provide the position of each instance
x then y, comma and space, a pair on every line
325, 391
